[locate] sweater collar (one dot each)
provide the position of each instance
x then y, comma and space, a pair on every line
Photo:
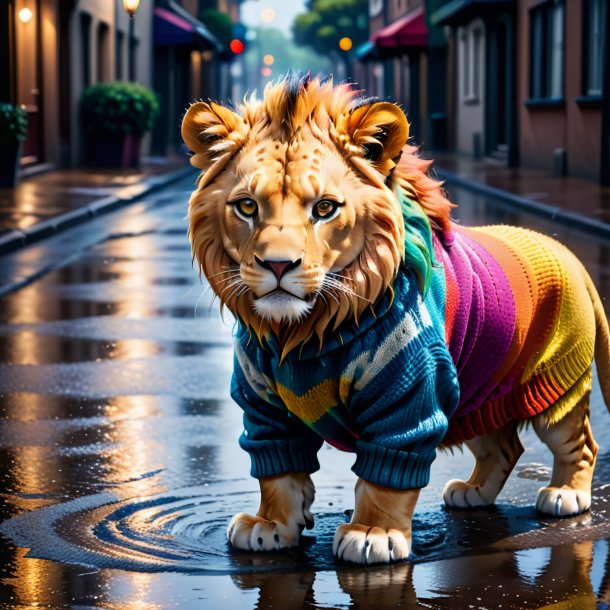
347, 332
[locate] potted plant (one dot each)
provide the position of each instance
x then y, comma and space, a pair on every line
13, 130
115, 117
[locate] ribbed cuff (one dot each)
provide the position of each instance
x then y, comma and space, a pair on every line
270, 458
392, 468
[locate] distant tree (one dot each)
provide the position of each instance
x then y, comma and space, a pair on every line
220, 24
286, 55
326, 22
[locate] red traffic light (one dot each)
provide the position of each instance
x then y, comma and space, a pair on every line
237, 46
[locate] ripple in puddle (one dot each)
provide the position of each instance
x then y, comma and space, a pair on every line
184, 531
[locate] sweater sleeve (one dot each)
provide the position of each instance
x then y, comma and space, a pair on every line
276, 441
403, 392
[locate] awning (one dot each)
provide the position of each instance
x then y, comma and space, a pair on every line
458, 12
172, 29
410, 31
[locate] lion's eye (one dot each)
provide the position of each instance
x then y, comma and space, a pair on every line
324, 210
246, 208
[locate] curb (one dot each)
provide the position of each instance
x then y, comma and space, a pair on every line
550, 212
17, 239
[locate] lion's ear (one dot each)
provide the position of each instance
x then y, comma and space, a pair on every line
208, 129
381, 130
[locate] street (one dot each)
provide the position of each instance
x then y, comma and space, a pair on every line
120, 466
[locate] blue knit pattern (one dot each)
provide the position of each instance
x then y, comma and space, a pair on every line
384, 389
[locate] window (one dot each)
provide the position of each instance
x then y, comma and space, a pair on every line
118, 70
594, 19
546, 50
471, 45
85, 35
102, 53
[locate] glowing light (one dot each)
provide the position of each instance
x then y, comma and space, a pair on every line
266, 71
268, 60
251, 35
25, 15
267, 15
345, 44
131, 6
237, 46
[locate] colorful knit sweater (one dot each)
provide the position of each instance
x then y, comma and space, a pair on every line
505, 331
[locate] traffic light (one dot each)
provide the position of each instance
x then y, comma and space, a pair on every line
237, 46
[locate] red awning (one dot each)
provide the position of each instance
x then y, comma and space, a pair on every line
170, 29
410, 31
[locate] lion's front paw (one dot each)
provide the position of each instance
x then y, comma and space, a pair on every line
460, 494
257, 534
367, 545
562, 501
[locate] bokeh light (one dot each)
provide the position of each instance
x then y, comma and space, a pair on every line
25, 15
237, 46
267, 15
266, 71
268, 60
345, 44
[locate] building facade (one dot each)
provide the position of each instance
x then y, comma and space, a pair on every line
563, 46
51, 51
395, 58
526, 82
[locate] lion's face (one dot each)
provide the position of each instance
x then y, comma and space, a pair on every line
292, 221
295, 218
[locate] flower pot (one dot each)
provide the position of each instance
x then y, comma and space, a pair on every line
105, 151
114, 151
131, 151
9, 165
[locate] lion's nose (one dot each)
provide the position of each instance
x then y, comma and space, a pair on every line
279, 268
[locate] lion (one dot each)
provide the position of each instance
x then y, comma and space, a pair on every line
367, 318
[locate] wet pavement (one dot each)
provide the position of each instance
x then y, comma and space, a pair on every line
42, 204
120, 468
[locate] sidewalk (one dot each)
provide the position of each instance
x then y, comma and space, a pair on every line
580, 203
47, 203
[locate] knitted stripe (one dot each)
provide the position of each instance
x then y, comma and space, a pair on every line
532, 398
391, 467
495, 310
269, 458
523, 286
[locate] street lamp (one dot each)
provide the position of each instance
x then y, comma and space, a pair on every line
131, 6
25, 15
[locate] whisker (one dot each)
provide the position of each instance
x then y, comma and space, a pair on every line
330, 294
223, 272
319, 293
331, 283
344, 277
233, 284
227, 279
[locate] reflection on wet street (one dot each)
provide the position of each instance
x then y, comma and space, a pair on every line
120, 468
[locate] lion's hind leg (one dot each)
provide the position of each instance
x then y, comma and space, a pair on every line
574, 453
496, 454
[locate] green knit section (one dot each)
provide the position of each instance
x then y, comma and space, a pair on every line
419, 250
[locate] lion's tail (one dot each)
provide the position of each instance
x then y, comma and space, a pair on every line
602, 341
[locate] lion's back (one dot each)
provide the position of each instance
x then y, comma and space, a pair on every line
520, 327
